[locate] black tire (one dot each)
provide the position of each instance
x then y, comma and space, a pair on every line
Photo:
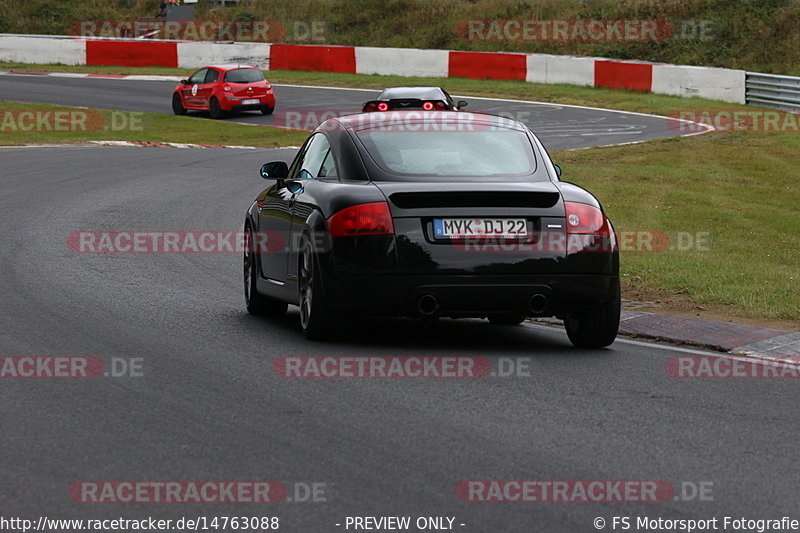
597, 328
267, 110
316, 318
507, 319
177, 105
257, 303
214, 109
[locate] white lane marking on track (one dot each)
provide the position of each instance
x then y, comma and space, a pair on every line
13, 147
68, 75
325, 87
141, 77
753, 358
631, 341
82, 75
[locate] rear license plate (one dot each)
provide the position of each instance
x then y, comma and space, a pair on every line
457, 228
251, 101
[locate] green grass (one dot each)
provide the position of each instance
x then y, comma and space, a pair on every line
741, 187
135, 126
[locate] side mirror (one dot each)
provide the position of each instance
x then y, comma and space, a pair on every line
558, 170
184, 82
276, 170
462, 103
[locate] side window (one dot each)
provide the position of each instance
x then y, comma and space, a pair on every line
212, 75
328, 169
199, 76
298, 159
316, 150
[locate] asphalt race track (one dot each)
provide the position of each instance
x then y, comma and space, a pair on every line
559, 127
209, 407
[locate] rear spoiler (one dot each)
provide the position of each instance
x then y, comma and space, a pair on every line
402, 104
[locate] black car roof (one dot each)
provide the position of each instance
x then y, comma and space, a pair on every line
421, 93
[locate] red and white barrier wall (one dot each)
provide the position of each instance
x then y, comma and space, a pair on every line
22, 49
194, 54
706, 82
712, 83
388, 62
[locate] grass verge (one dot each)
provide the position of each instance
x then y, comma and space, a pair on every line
739, 188
59, 124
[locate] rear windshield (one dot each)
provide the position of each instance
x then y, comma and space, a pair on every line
244, 75
413, 94
492, 152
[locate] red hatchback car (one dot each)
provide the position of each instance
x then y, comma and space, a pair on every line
221, 88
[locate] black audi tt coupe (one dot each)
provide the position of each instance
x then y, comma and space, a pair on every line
430, 214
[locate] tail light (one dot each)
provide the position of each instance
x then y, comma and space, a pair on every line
440, 106
365, 219
584, 219
383, 106
427, 106
370, 107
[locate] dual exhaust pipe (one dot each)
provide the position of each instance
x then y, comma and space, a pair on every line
428, 304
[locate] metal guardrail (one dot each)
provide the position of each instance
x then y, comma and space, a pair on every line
771, 90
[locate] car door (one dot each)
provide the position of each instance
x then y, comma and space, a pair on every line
192, 87
206, 89
275, 222
318, 164
275, 218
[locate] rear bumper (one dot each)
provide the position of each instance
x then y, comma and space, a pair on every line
236, 105
469, 295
